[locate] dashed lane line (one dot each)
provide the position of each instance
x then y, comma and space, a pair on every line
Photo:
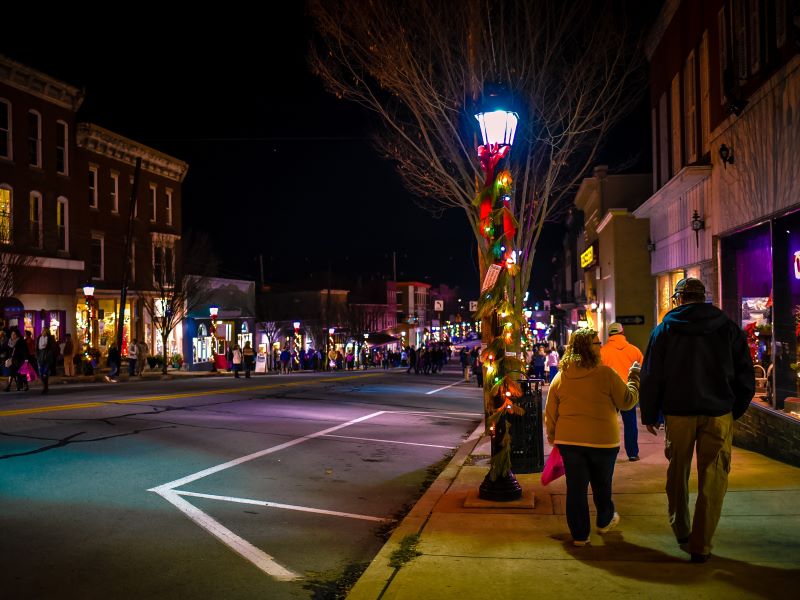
196, 394
442, 388
350, 437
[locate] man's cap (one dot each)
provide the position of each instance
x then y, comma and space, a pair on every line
690, 286
615, 329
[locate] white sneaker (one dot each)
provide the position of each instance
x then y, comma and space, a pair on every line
614, 522
581, 543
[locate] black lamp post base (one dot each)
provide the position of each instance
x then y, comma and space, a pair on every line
502, 489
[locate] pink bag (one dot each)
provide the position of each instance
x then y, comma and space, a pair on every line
27, 370
554, 467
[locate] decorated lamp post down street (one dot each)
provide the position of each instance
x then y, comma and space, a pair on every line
88, 292
500, 358
213, 311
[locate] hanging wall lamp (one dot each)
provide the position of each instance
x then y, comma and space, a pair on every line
698, 225
726, 154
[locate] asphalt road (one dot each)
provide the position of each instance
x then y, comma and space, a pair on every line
269, 487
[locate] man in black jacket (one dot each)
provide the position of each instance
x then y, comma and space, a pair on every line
698, 372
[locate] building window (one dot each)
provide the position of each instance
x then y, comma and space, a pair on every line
5, 129
97, 256
740, 39
676, 124
114, 194
92, 187
62, 224
169, 206
722, 30
34, 139
5, 215
755, 38
62, 146
163, 264
705, 102
663, 140
35, 219
151, 203
689, 108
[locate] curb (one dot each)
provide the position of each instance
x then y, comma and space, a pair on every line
378, 576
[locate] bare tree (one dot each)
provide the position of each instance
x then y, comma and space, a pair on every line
572, 68
14, 269
180, 283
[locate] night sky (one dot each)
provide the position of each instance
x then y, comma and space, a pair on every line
277, 166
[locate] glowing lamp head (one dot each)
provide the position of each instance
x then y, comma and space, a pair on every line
213, 311
88, 290
331, 331
497, 127
296, 325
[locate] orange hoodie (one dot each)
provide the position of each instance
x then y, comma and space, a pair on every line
619, 354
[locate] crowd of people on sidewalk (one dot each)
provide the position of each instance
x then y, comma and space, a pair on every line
25, 359
696, 377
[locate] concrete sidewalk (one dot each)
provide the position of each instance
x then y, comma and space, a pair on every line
500, 552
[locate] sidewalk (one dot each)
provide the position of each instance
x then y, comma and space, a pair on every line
505, 553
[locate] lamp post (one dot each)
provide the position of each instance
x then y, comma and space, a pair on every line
88, 292
213, 311
498, 126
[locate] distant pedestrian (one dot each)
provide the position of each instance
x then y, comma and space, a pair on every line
698, 372
17, 355
285, 357
465, 366
237, 358
581, 419
69, 355
619, 354
143, 350
133, 357
539, 359
249, 356
412, 360
113, 361
552, 364
47, 352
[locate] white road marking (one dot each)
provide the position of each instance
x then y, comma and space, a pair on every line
238, 461
242, 547
442, 388
350, 437
286, 506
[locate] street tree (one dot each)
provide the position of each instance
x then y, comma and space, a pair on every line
180, 283
572, 70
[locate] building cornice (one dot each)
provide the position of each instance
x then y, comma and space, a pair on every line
107, 143
660, 26
38, 84
686, 179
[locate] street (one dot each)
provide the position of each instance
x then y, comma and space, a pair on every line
269, 487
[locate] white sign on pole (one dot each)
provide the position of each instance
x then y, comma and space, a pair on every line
473, 306
438, 305
491, 277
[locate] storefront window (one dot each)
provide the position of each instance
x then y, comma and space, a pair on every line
666, 286
202, 345
786, 314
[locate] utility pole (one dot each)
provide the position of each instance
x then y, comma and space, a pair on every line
123, 293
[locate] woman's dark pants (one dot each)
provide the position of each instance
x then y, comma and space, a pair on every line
584, 466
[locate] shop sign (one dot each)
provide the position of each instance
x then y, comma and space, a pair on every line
588, 257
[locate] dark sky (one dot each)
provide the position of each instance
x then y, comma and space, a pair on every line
278, 167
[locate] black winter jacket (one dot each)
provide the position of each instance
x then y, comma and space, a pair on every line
697, 363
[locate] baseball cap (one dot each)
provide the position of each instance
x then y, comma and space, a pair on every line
615, 329
689, 285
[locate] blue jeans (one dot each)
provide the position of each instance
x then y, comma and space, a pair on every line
584, 466
553, 373
631, 432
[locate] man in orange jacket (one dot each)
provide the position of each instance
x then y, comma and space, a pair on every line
619, 354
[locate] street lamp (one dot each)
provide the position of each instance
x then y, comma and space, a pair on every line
88, 292
498, 125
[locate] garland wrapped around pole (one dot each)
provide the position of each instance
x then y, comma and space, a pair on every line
502, 364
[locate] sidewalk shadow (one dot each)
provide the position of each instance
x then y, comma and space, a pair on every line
616, 556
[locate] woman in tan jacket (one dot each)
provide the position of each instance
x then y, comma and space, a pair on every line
581, 419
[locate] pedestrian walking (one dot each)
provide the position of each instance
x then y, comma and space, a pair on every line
619, 354
133, 357
143, 350
249, 356
552, 364
69, 356
114, 358
33, 345
236, 360
581, 419
465, 366
285, 357
698, 372
412, 360
17, 355
46, 355
539, 359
